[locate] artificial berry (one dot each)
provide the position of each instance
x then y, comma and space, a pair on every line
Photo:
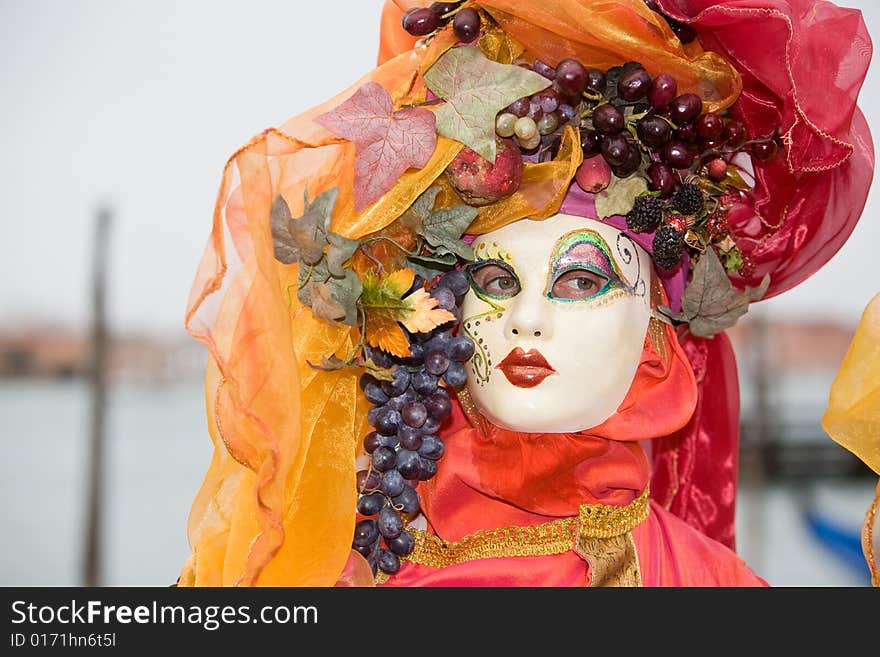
466, 24
591, 142
634, 84
663, 90
653, 130
631, 164
710, 126
685, 108
608, 119
735, 134
661, 179
546, 70
596, 81
678, 155
765, 150
687, 132
717, 169
571, 76
420, 22
615, 149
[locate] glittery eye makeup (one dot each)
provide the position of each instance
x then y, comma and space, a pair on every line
582, 268
494, 279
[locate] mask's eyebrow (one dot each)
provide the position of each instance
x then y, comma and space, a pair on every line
585, 247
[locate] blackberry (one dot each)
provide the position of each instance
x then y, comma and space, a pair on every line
646, 214
668, 247
688, 199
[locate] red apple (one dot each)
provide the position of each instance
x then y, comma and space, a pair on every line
594, 174
480, 182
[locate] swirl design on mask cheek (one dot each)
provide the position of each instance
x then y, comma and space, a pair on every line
481, 362
585, 249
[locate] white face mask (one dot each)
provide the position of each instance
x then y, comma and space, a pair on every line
559, 310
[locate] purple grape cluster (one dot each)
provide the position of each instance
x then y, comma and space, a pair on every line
537, 121
406, 415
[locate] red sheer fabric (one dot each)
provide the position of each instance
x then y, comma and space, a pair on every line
794, 56
695, 469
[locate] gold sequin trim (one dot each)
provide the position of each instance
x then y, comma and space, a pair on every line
606, 520
555, 537
868, 538
471, 412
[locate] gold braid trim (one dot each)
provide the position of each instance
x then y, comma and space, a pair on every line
595, 521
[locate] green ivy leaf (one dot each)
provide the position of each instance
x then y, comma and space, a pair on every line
347, 291
710, 303
341, 250
444, 228
429, 265
424, 204
338, 287
322, 206
475, 89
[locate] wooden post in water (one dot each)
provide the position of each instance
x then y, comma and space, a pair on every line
92, 555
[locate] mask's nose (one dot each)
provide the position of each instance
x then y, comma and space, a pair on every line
527, 318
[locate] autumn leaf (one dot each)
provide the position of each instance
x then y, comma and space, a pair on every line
345, 290
386, 308
334, 363
377, 372
387, 143
475, 89
329, 364
710, 303
425, 314
304, 240
296, 239
324, 306
620, 195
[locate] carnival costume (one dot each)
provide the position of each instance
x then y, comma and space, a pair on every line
348, 389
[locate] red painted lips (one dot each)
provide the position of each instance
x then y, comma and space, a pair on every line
525, 369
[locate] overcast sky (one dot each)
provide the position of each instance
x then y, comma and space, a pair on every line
139, 103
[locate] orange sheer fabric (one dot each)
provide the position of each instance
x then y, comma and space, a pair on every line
600, 33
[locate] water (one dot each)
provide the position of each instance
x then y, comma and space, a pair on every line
159, 449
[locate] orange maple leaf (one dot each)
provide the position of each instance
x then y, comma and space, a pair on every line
386, 307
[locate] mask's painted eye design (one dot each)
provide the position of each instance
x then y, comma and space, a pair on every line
494, 279
578, 284
582, 268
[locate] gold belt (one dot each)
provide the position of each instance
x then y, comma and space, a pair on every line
594, 521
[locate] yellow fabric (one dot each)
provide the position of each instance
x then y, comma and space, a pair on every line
277, 505
853, 414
